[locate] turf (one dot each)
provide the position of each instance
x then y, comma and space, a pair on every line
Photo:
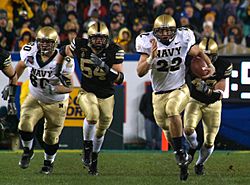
125, 168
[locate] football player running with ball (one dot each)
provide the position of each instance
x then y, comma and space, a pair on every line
48, 96
205, 104
163, 51
100, 61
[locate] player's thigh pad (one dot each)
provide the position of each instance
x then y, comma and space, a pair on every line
89, 105
192, 114
211, 122
31, 113
177, 101
55, 115
106, 107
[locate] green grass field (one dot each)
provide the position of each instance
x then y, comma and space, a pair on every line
125, 168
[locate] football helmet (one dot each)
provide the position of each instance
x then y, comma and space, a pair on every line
209, 47
164, 28
47, 40
98, 36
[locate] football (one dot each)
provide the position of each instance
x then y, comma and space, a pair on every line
197, 65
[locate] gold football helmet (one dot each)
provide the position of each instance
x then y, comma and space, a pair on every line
98, 36
47, 40
164, 28
209, 47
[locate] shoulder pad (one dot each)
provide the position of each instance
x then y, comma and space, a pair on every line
28, 50
187, 35
142, 42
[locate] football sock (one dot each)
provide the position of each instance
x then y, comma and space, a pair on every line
204, 154
27, 139
28, 144
97, 144
177, 141
50, 158
88, 130
192, 140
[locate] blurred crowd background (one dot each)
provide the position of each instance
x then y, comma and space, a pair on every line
227, 21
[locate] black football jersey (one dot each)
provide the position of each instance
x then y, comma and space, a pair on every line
5, 58
223, 70
94, 79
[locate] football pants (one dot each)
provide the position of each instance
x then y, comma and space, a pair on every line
33, 110
98, 110
169, 104
209, 114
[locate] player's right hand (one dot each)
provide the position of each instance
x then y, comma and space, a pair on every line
153, 48
210, 69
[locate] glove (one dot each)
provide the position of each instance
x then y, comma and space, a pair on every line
98, 62
5, 92
9, 91
49, 89
12, 106
64, 80
201, 86
58, 69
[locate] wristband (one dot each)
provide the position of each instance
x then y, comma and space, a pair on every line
220, 91
149, 60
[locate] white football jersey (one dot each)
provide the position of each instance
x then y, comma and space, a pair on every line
41, 73
168, 68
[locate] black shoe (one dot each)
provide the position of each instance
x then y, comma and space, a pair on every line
199, 169
182, 158
26, 157
184, 172
87, 151
93, 167
47, 167
191, 152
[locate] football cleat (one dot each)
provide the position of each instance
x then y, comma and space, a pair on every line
182, 158
87, 152
93, 167
199, 169
184, 172
47, 167
191, 152
26, 157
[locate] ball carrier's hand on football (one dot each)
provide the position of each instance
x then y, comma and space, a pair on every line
210, 68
